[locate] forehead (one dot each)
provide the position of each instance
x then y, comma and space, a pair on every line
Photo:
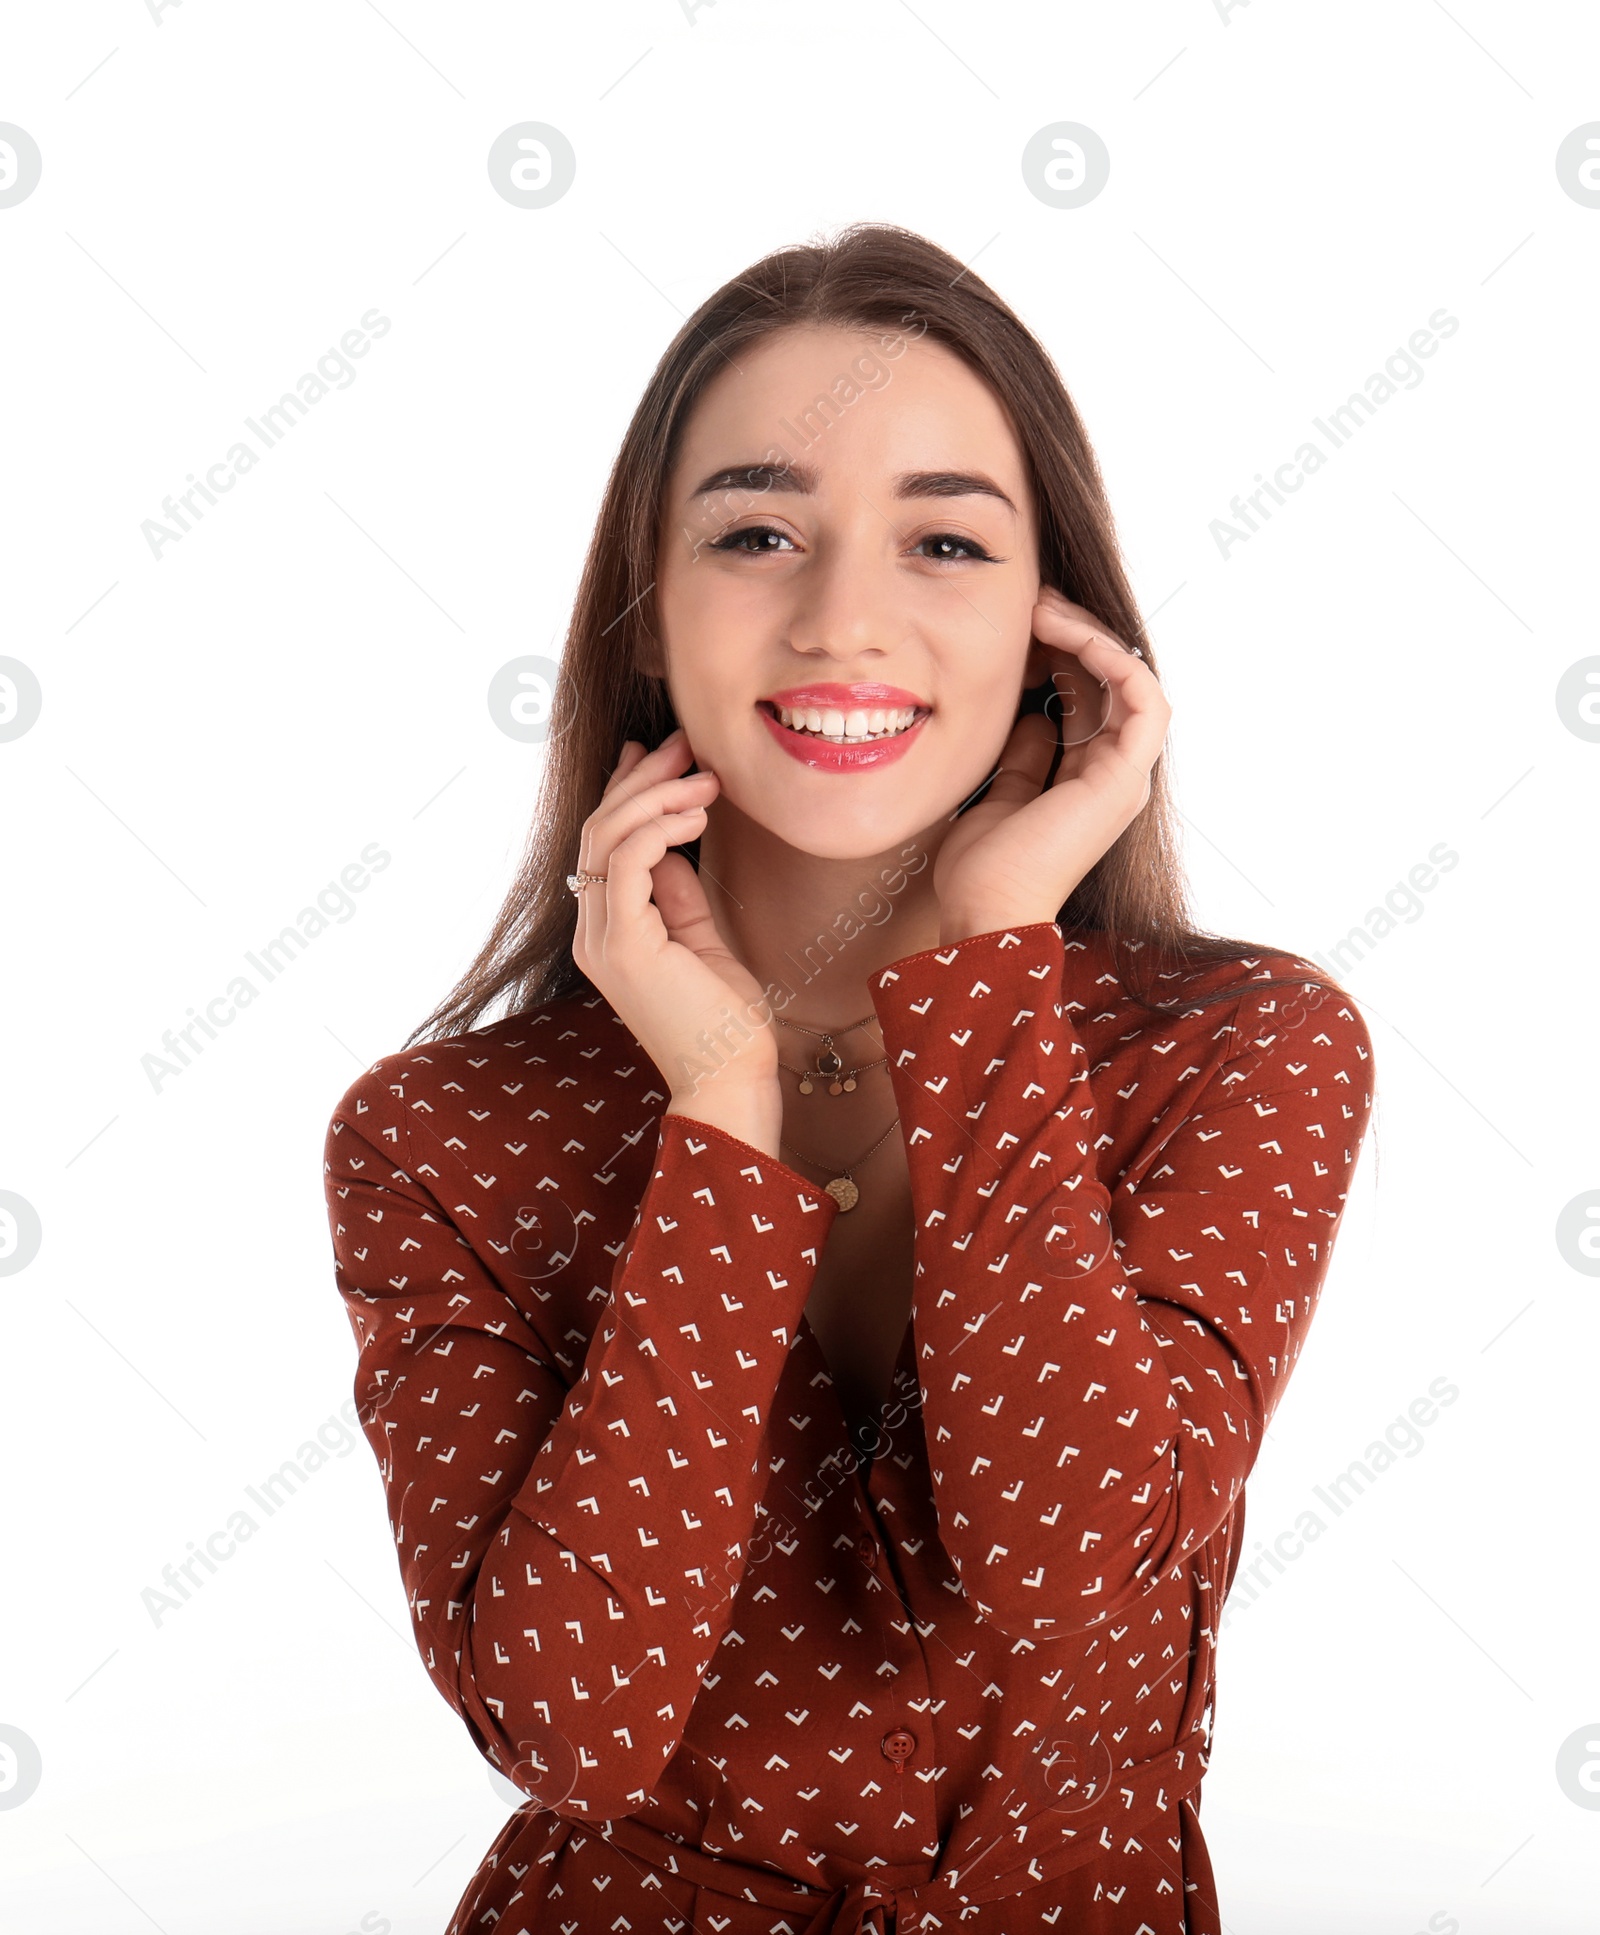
844, 398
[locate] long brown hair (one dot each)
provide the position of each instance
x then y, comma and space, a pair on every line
873, 276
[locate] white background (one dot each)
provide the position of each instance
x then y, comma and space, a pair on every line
1294, 189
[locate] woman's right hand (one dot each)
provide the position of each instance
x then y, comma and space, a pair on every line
648, 942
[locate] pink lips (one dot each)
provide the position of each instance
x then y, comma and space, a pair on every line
817, 753
865, 692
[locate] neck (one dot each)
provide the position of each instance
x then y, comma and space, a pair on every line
815, 931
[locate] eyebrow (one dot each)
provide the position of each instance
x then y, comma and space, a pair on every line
801, 479
950, 483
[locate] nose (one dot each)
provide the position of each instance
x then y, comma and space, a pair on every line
844, 606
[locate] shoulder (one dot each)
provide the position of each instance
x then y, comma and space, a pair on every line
1292, 1025
1267, 1016
1287, 1005
542, 1064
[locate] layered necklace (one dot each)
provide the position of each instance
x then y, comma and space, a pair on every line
830, 1069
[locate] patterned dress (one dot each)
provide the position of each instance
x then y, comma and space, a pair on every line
749, 1679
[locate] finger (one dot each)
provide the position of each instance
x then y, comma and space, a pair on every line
1024, 762
1062, 606
672, 751
1066, 626
1133, 687
669, 762
1136, 717
1139, 712
627, 913
632, 804
608, 829
632, 752
680, 898
1083, 701
1061, 626
601, 832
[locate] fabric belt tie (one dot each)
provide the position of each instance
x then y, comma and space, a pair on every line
862, 1909
894, 1902
857, 1908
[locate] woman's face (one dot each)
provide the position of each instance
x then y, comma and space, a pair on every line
848, 529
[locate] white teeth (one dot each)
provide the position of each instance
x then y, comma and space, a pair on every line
848, 728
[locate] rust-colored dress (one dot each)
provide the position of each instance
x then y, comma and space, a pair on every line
750, 1681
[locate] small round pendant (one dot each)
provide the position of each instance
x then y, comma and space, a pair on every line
837, 1088
844, 1192
805, 1085
849, 1087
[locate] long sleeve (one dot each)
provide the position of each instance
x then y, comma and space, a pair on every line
1098, 1366
569, 1555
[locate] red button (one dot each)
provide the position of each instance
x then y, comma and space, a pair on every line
867, 1553
899, 1746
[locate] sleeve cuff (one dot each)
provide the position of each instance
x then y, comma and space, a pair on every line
686, 1135
954, 1017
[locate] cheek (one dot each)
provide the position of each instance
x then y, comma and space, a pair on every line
687, 607
1005, 598
1009, 636
710, 638
725, 621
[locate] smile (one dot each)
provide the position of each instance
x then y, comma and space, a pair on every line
843, 739
851, 728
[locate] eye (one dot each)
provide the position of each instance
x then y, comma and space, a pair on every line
950, 549
736, 540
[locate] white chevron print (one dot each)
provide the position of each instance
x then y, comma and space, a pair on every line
972, 1679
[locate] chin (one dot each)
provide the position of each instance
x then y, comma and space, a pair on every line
842, 833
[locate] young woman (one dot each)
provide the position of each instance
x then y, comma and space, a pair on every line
816, 1342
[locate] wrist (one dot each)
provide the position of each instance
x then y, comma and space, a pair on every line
752, 1112
965, 923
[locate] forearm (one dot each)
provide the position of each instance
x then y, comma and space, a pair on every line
597, 1610
570, 1549
1058, 1495
642, 1499
1094, 1391
1050, 1419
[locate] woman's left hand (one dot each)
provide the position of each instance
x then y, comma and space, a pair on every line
1014, 858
